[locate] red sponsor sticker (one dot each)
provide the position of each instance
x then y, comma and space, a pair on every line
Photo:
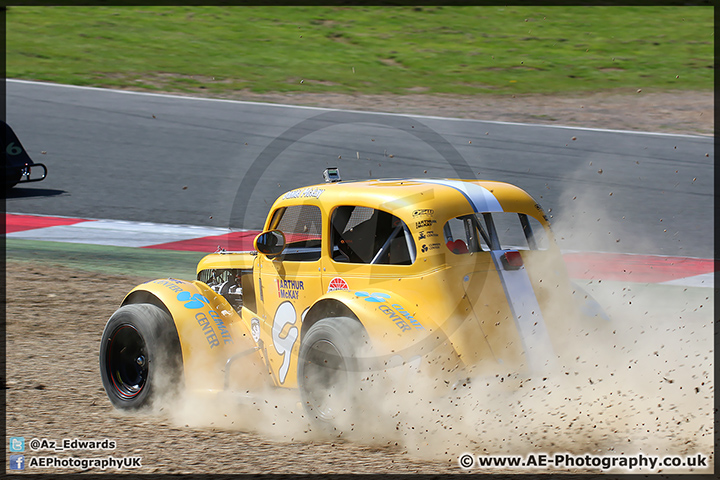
337, 283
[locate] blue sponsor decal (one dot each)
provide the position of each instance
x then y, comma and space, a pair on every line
193, 301
207, 329
373, 297
412, 320
396, 312
401, 317
401, 324
170, 283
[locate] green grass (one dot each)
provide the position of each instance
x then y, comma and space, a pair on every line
151, 263
365, 50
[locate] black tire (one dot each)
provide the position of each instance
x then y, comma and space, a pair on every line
330, 369
140, 356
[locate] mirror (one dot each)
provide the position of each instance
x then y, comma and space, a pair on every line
270, 243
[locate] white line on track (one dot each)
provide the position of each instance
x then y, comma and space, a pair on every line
116, 233
704, 280
243, 102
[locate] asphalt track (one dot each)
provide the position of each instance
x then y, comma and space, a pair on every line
168, 159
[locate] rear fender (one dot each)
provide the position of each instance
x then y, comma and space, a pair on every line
397, 331
209, 329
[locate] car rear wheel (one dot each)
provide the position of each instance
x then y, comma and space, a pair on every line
332, 362
140, 356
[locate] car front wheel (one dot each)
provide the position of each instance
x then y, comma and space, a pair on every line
140, 356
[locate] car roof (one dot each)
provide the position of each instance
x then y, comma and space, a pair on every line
405, 196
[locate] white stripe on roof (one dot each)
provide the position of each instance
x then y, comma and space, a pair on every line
479, 197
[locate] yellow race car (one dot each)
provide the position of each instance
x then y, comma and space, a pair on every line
455, 277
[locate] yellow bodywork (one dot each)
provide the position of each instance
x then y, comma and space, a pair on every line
450, 311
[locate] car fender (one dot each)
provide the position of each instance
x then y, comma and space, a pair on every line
209, 329
396, 326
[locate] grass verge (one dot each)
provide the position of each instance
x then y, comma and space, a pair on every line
365, 50
140, 262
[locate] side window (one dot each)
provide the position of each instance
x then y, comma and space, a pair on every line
367, 235
302, 226
518, 231
487, 231
462, 235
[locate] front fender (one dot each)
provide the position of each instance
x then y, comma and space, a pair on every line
209, 329
396, 327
